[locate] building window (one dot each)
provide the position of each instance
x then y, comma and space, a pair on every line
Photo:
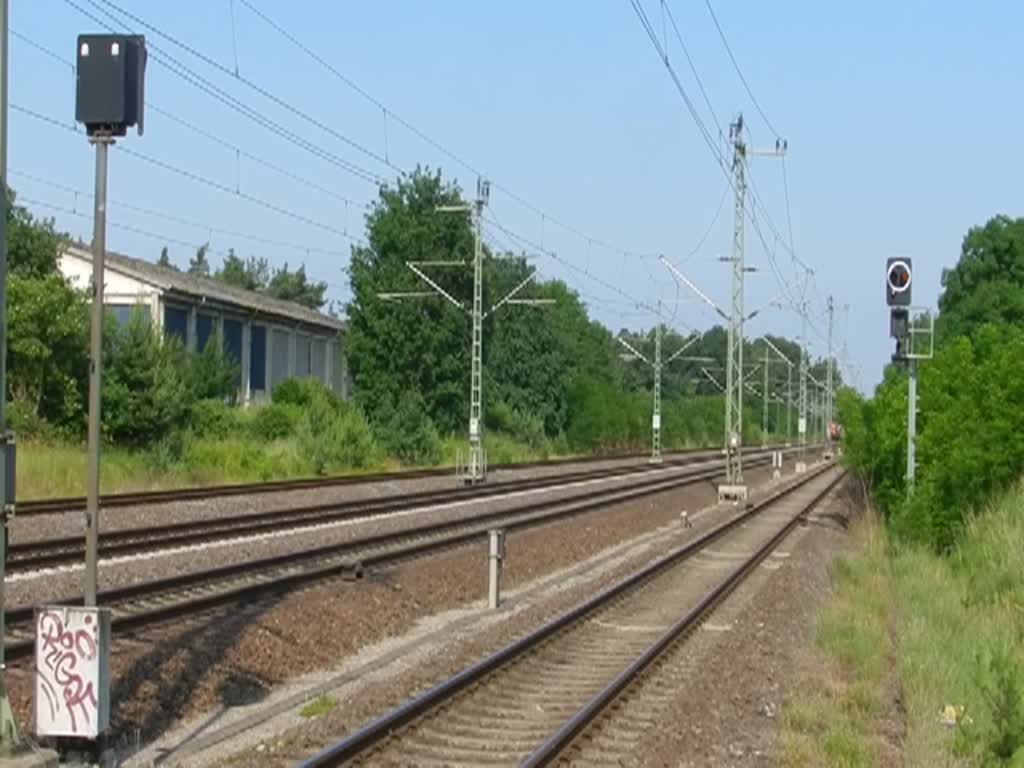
122, 312
204, 330
233, 345
303, 353
318, 360
279, 354
176, 323
258, 359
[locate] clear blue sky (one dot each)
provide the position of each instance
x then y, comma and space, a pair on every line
903, 122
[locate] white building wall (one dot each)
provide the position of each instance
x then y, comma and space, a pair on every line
117, 289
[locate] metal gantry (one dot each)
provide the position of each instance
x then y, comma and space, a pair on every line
475, 469
734, 353
658, 365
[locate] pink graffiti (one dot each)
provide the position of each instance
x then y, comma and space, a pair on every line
62, 650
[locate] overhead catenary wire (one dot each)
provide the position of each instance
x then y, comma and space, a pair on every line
181, 70
716, 151
736, 66
396, 117
305, 248
211, 136
195, 177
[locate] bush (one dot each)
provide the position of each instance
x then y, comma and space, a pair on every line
275, 421
334, 439
305, 392
212, 374
145, 395
214, 418
408, 434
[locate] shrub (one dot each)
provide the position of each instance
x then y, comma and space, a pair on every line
335, 438
145, 395
408, 434
213, 418
305, 392
275, 421
212, 374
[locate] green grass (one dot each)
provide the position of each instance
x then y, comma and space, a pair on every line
951, 628
318, 707
49, 469
831, 717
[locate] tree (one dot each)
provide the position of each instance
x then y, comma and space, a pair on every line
32, 244
295, 286
397, 349
145, 392
165, 259
987, 284
47, 338
252, 274
199, 265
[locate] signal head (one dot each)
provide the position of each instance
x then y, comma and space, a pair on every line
898, 279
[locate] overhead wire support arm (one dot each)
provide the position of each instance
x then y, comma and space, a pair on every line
426, 278
509, 297
680, 277
633, 350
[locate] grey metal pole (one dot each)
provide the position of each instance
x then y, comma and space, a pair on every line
829, 384
99, 249
789, 402
764, 403
656, 416
10, 738
911, 425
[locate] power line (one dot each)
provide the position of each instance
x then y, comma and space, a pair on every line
700, 84
181, 70
180, 220
196, 177
739, 72
282, 103
158, 236
235, 148
389, 112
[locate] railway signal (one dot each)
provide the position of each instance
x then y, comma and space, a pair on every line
914, 331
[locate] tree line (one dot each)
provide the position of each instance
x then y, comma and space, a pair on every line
970, 425
554, 378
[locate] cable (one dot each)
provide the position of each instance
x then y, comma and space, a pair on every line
164, 238
182, 71
739, 72
239, 151
195, 177
452, 155
679, 36
287, 106
179, 220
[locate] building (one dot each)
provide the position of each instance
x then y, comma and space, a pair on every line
272, 340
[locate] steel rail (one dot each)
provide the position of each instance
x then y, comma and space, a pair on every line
549, 751
29, 507
45, 553
344, 556
369, 735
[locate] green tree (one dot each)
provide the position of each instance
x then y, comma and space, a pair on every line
47, 338
199, 265
251, 274
295, 286
145, 392
421, 347
32, 244
987, 284
165, 259
211, 373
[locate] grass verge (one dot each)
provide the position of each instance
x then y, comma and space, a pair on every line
919, 659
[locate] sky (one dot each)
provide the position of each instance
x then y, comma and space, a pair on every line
902, 123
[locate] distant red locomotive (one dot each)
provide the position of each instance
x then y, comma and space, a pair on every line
835, 432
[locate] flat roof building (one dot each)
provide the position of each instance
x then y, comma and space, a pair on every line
272, 340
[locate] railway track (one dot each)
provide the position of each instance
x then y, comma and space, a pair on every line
68, 550
186, 595
31, 507
580, 674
